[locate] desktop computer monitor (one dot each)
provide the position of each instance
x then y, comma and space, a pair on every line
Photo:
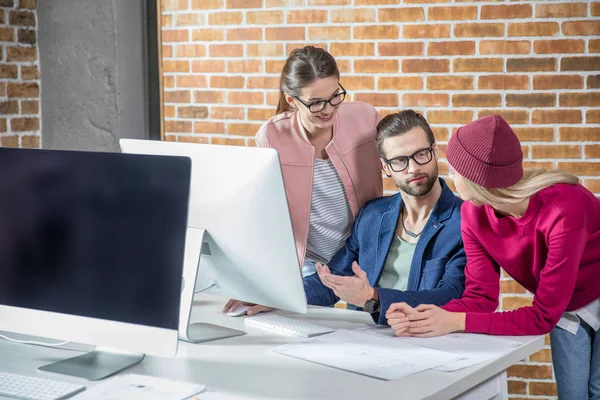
91, 251
240, 240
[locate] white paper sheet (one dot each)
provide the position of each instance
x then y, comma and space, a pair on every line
141, 387
470, 347
366, 354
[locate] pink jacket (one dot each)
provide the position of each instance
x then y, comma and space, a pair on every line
353, 152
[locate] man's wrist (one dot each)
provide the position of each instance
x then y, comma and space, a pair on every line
372, 294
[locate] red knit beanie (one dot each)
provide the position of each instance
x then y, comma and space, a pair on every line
487, 152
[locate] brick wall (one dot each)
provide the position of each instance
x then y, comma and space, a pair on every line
534, 62
19, 75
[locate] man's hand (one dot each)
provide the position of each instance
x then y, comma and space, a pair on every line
352, 289
232, 304
430, 320
398, 318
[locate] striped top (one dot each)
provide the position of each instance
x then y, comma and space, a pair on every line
330, 216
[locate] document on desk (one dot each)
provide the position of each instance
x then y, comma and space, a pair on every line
141, 387
365, 354
472, 348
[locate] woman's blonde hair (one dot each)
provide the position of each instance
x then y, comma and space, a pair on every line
532, 182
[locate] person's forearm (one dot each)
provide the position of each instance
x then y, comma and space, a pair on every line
460, 319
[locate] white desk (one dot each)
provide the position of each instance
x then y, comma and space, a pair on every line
244, 366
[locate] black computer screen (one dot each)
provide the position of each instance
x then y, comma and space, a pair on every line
93, 234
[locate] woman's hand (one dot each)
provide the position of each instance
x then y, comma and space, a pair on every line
232, 304
430, 320
397, 317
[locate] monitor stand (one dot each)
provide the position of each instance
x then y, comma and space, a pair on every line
198, 332
95, 365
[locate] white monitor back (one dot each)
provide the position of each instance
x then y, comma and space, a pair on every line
237, 195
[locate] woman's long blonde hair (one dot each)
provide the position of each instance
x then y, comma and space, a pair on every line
532, 182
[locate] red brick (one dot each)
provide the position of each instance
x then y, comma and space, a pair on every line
225, 18
530, 371
253, 98
558, 46
564, 10
504, 82
190, 19
592, 117
226, 113
373, 2
400, 49
515, 302
579, 134
260, 114
328, 3
449, 117
479, 30
544, 82
23, 90
178, 126
591, 169
531, 64
7, 33
8, 141
425, 31
589, 99
227, 82
194, 81
284, 3
176, 96
580, 64
449, 83
289, 47
169, 111
208, 97
375, 32
263, 82
506, 11
378, 99
352, 15
478, 65
264, 17
400, 83
329, 33
237, 34
264, 50
272, 98
244, 3
208, 66
532, 28
244, 66
451, 48
544, 355
187, 139
9, 107
242, 129
21, 18
30, 142
424, 100
535, 134
190, 50
295, 33
595, 9
226, 50
556, 117
510, 286
207, 4
425, 65
167, 51
401, 14
556, 151
306, 16
592, 151
173, 35
510, 116
274, 66
21, 54
593, 82
227, 141
516, 387
174, 5
452, 13
581, 28
25, 124
192, 112
504, 47
361, 82
8, 71
376, 66
476, 100
531, 100
346, 49
31, 4
209, 127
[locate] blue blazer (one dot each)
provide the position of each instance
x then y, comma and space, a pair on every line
437, 268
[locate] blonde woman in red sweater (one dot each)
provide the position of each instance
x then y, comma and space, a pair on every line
543, 229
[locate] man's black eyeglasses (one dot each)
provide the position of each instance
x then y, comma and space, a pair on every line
421, 157
318, 106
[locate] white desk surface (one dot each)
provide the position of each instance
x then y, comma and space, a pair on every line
244, 366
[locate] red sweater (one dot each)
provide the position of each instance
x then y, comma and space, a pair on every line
553, 250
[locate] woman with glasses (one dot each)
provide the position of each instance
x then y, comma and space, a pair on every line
328, 154
543, 229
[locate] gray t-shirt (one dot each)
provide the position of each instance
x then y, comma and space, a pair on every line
397, 265
330, 216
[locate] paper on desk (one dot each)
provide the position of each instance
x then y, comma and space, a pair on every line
470, 347
141, 387
365, 354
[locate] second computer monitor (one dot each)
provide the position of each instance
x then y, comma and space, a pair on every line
237, 195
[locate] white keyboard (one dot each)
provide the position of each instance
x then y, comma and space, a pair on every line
32, 388
287, 325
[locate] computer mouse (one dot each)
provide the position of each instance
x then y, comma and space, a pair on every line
240, 310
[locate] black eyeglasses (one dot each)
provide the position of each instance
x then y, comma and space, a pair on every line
421, 157
318, 106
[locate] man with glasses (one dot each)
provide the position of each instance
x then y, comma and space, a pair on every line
403, 248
